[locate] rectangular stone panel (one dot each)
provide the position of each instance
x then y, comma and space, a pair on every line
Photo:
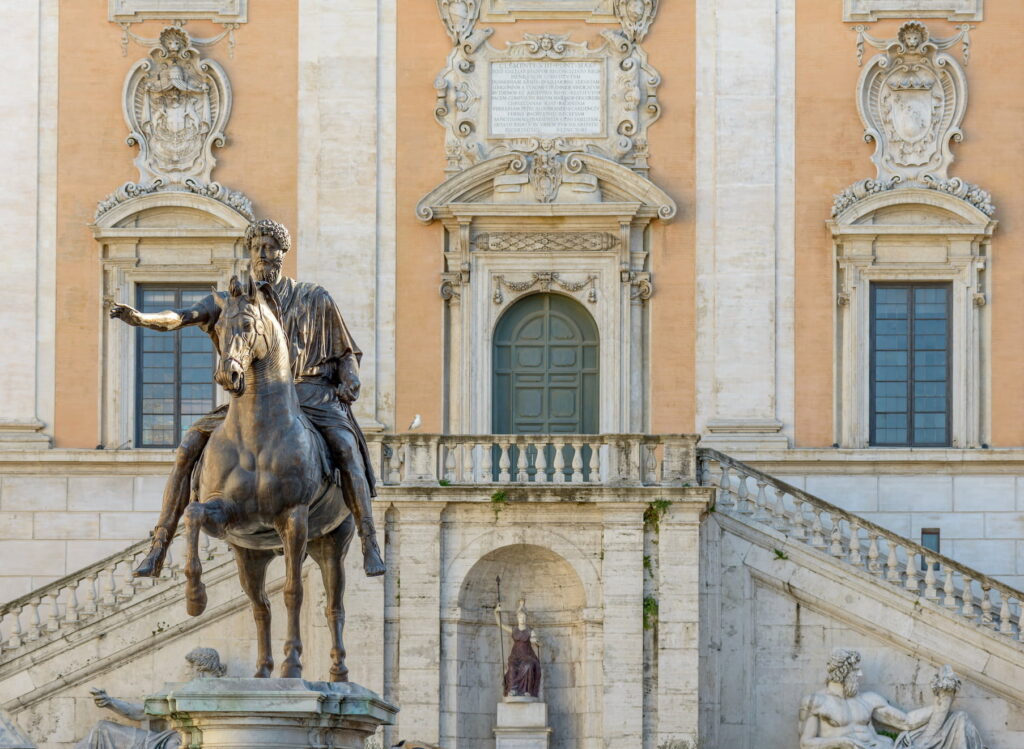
547, 99
872, 10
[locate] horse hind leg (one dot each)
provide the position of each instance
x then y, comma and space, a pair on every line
252, 571
195, 591
329, 553
293, 529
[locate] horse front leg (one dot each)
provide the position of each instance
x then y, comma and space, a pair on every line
293, 529
252, 571
329, 552
195, 591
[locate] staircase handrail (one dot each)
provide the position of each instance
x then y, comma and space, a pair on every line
1007, 620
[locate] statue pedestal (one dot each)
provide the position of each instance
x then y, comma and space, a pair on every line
287, 713
522, 724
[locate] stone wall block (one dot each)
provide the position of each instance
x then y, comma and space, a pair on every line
15, 525
852, 493
34, 493
32, 557
951, 524
984, 493
993, 557
100, 493
915, 493
1004, 525
131, 526
62, 525
83, 553
148, 494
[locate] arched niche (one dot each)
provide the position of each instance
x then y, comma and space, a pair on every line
555, 603
509, 231
165, 237
920, 235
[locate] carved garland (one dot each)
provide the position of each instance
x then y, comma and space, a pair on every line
544, 281
535, 241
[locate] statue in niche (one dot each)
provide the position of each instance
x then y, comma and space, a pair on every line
522, 674
840, 717
202, 662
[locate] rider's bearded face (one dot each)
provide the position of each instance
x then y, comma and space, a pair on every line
265, 257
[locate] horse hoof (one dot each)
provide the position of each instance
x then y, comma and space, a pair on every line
339, 673
265, 671
195, 600
152, 565
291, 671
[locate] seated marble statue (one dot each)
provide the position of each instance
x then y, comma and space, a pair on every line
203, 662
842, 717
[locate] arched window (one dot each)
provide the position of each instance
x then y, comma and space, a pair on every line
546, 368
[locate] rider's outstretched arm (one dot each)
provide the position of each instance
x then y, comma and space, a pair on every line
172, 319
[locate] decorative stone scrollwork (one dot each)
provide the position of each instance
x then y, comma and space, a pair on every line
640, 286
544, 281
912, 99
964, 190
452, 283
176, 106
546, 241
859, 190
483, 94
460, 17
636, 17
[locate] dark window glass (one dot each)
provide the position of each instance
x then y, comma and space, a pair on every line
930, 539
910, 364
174, 384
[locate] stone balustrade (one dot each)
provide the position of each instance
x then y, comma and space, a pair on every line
401, 460
605, 459
937, 580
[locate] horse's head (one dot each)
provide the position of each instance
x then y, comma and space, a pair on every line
245, 329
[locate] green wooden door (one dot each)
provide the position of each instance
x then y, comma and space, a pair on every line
545, 368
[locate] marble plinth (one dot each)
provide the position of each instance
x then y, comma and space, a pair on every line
286, 713
522, 723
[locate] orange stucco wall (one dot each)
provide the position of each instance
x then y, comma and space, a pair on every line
831, 154
260, 159
422, 49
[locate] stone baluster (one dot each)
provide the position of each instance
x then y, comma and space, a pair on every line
71, 607
487, 459
910, 581
595, 463
761, 503
892, 564
109, 598
1005, 622
131, 583
170, 561
744, 505
986, 605
542, 464
817, 530
15, 641
559, 463
799, 520
449, 463
649, 464
873, 565
835, 548
725, 487
855, 558
504, 460
949, 588
577, 462
91, 598
968, 598
930, 591
207, 547
394, 462
780, 521
35, 626
53, 617
521, 462
469, 461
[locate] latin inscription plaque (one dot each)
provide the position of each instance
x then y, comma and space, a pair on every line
548, 99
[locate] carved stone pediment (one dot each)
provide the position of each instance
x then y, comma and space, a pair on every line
552, 181
546, 89
912, 100
176, 105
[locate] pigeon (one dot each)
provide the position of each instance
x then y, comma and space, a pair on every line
415, 423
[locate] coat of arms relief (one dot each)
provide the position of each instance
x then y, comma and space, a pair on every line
176, 106
912, 98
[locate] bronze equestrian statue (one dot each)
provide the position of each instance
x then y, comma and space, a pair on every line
261, 476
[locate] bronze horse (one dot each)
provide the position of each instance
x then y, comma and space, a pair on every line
264, 483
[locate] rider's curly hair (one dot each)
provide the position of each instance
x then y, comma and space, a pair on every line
267, 227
